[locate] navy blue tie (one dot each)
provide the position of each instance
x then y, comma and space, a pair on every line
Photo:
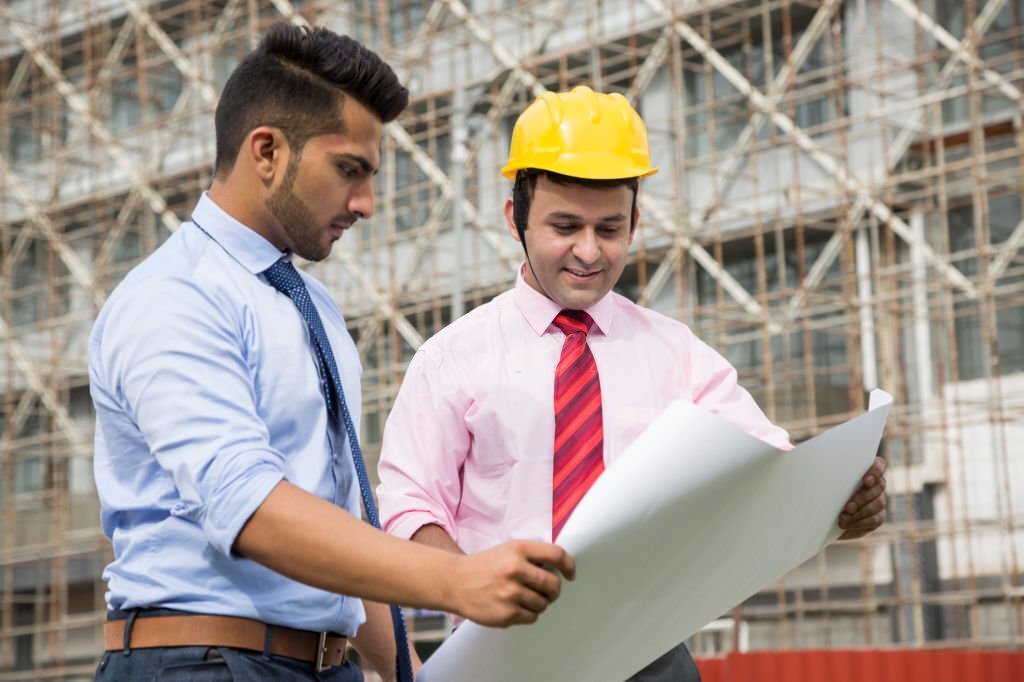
283, 276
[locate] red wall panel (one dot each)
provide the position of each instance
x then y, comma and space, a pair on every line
865, 666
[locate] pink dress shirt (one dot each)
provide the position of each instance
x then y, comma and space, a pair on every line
468, 445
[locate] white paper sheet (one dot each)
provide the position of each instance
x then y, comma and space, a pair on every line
692, 519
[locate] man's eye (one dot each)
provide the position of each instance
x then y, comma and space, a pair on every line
348, 171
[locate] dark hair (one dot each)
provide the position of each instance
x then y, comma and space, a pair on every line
297, 80
526, 183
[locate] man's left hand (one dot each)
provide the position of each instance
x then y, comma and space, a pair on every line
865, 511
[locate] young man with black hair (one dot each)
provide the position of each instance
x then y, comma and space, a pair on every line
227, 397
506, 417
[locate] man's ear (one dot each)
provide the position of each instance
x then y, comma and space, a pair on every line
266, 151
510, 219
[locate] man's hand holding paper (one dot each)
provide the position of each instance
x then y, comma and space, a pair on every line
865, 511
515, 573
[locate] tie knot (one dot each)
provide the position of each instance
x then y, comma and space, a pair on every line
283, 276
574, 322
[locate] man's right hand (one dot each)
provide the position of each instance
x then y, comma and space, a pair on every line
509, 584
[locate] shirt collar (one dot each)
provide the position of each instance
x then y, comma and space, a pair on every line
540, 311
240, 242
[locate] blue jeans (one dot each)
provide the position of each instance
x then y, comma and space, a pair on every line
212, 664
208, 664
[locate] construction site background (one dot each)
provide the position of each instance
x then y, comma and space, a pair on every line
838, 209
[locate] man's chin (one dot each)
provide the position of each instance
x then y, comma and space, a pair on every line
571, 302
314, 256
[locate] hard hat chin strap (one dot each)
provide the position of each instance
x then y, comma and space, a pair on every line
520, 206
520, 212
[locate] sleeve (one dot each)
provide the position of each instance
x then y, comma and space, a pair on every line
179, 369
716, 389
425, 445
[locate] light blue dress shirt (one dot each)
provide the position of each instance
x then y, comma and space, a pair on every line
207, 395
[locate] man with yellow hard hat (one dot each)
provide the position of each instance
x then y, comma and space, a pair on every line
508, 415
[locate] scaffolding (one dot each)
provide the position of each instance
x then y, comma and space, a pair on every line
839, 208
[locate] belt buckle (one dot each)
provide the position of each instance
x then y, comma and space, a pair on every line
321, 649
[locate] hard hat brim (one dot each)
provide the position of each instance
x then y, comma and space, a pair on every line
586, 169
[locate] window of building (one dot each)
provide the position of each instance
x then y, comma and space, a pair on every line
164, 84
973, 360
414, 192
22, 138
28, 302
24, 615
405, 17
125, 109
28, 474
714, 104
143, 93
998, 49
824, 344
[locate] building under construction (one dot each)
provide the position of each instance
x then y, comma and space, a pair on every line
839, 208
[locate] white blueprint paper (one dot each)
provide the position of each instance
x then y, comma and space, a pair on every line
692, 519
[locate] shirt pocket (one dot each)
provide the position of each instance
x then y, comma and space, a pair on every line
509, 423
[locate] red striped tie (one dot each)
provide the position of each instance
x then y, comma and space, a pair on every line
579, 432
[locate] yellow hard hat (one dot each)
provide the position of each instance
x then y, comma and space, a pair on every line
582, 134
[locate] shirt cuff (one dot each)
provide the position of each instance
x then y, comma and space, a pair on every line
405, 525
236, 501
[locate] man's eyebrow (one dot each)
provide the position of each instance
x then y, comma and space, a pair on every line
361, 161
566, 215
